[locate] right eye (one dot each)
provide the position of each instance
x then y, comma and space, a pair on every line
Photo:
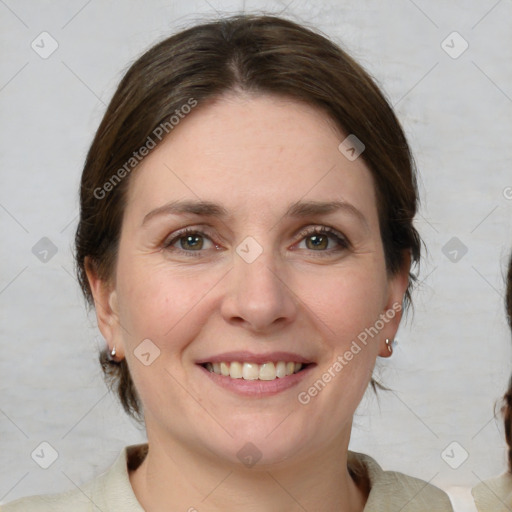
189, 241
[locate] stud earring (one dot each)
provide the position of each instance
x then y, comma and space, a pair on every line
389, 344
113, 353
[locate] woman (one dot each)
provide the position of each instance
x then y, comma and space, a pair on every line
246, 239
495, 495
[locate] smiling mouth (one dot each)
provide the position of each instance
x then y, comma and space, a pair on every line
254, 371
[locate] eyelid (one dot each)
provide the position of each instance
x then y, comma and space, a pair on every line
342, 240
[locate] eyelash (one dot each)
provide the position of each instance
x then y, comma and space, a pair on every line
341, 240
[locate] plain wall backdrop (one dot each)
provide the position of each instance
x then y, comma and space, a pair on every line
453, 356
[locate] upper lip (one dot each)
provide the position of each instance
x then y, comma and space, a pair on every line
249, 357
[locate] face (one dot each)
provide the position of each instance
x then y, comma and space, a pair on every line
251, 263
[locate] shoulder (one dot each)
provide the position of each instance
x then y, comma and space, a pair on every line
76, 501
494, 495
109, 491
390, 490
50, 503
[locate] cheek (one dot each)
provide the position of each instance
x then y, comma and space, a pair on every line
158, 302
346, 302
168, 308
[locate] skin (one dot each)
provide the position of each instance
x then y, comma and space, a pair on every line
253, 155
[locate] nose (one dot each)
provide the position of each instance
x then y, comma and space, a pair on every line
257, 296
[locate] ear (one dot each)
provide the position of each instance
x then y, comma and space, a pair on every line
393, 309
105, 304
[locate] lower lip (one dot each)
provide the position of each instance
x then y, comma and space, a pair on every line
259, 388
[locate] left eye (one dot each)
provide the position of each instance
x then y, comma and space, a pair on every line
321, 239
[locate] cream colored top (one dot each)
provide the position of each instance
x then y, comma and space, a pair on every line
112, 491
494, 495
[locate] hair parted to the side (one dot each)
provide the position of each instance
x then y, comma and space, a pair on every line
251, 54
507, 398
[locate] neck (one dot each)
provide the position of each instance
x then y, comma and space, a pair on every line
177, 478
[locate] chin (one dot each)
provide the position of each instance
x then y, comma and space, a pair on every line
262, 443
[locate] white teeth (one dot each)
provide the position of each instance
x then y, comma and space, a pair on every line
224, 369
253, 371
235, 370
281, 369
250, 371
268, 371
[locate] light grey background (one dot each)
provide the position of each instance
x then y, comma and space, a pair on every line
453, 358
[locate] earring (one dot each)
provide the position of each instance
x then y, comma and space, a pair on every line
389, 344
113, 352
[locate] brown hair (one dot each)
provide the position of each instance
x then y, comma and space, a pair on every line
507, 398
254, 54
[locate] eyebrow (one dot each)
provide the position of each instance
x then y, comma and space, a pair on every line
311, 208
204, 208
298, 209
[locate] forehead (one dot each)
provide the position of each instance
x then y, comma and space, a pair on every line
255, 154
